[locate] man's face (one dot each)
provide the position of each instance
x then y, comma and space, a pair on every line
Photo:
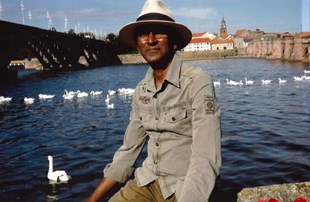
153, 44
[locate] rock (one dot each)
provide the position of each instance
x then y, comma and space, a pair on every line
291, 192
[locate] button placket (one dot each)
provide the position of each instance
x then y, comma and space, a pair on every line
156, 157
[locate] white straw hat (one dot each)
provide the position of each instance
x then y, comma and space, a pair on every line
155, 12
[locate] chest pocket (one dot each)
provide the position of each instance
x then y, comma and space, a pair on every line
175, 115
145, 116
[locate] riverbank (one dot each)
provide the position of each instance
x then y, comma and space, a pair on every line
292, 48
208, 55
197, 55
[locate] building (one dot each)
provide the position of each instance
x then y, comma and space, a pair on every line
222, 44
243, 37
204, 41
199, 44
223, 28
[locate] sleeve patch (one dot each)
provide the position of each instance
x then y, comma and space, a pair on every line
208, 105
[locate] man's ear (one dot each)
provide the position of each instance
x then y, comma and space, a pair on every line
138, 49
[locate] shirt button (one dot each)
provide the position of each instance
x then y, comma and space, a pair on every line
155, 161
157, 144
156, 117
173, 119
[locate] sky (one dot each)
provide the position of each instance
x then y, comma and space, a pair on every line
103, 17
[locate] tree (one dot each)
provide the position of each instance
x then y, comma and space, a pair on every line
71, 31
111, 37
118, 46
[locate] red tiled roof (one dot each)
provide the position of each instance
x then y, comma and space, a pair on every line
219, 41
304, 34
241, 32
199, 34
224, 36
286, 35
200, 40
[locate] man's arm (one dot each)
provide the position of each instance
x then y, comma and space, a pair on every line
121, 167
101, 190
206, 147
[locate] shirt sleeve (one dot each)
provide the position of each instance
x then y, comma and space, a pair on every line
206, 159
124, 158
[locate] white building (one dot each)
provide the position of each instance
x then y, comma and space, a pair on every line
222, 44
199, 44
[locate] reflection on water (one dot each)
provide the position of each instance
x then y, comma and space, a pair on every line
53, 193
265, 128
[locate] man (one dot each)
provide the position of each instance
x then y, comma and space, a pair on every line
174, 111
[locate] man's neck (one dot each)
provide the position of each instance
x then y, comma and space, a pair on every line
161, 69
159, 76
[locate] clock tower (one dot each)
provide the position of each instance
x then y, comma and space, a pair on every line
223, 29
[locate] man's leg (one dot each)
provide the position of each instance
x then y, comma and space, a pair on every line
131, 192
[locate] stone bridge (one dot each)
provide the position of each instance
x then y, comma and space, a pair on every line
54, 50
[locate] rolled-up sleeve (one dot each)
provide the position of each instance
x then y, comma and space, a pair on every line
206, 159
124, 158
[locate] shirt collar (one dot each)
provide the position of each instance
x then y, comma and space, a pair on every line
173, 75
174, 71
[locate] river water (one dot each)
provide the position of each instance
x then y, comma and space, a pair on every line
265, 128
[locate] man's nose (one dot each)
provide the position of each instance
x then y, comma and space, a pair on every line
151, 38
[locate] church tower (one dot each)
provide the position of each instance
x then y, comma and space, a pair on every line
223, 29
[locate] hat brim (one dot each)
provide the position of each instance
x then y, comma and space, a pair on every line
126, 33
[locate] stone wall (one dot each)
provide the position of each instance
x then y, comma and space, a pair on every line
290, 49
195, 55
131, 59
204, 55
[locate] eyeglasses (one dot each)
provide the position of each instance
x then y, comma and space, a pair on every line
143, 37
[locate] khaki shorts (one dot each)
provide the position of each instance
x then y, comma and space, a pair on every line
131, 192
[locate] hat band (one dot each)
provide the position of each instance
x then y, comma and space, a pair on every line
155, 16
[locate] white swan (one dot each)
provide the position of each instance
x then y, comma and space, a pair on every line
266, 81
233, 83
5, 99
58, 175
296, 78
217, 83
28, 100
93, 93
307, 71
68, 96
110, 106
44, 96
228, 81
248, 82
281, 80
111, 92
107, 100
81, 94
70, 92
125, 91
